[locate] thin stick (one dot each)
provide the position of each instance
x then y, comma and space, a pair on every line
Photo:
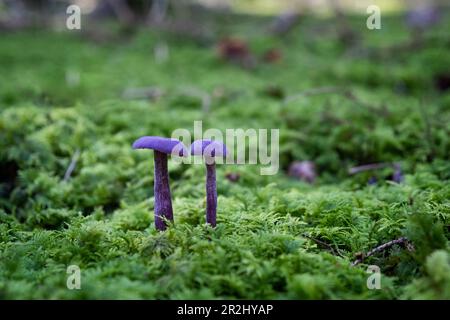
72, 165
372, 166
403, 241
324, 244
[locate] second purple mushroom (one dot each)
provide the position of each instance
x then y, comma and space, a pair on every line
210, 150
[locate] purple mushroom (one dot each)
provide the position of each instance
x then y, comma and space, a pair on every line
303, 170
210, 150
162, 147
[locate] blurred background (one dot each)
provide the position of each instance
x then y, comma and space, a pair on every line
283, 64
16, 14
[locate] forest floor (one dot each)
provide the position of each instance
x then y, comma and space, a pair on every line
338, 101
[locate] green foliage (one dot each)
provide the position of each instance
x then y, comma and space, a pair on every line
428, 233
276, 237
437, 283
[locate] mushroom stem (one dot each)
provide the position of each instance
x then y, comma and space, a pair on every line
163, 202
211, 194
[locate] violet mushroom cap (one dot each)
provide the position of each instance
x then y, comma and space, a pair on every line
210, 150
162, 147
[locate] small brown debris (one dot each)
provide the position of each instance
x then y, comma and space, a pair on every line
236, 51
272, 55
400, 241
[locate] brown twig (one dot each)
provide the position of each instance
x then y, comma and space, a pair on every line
324, 244
372, 166
400, 241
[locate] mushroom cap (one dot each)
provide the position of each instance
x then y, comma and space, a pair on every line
208, 148
161, 144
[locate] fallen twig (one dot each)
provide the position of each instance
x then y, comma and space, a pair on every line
72, 165
400, 241
372, 166
324, 244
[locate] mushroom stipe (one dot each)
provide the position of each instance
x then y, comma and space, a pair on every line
211, 194
210, 150
163, 201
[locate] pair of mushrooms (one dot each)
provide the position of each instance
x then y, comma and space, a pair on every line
162, 147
